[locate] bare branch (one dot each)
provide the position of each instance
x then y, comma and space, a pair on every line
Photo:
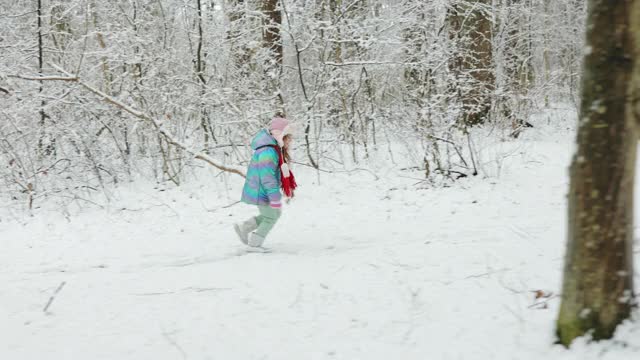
139, 114
46, 78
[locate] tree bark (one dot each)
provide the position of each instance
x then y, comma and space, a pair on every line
272, 41
240, 53
470, 27
48, 149
271, 34
545, 52
205, 122
518, 69
597, 292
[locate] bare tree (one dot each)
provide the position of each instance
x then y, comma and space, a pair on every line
518, 76
200, 64
45, 149
347, 71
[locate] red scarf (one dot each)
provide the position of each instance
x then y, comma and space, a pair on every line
288, 184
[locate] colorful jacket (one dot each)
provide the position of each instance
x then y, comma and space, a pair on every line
262, 186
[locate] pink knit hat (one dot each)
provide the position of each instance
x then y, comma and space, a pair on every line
279, 128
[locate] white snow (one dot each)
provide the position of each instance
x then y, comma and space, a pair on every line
360, 269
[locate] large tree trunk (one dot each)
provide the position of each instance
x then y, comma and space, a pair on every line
271, 34
598, 277
240, 53
470, 27
272, 41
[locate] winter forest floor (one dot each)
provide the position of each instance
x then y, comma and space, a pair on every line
360, 269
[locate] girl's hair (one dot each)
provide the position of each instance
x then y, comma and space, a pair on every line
285, 153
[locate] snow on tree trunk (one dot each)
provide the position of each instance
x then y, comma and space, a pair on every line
598, 275
43, 149
272, 41
471, 28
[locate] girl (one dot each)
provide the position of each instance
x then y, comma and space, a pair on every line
268, 172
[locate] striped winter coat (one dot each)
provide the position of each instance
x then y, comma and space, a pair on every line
262, 186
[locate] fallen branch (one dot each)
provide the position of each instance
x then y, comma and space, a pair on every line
174, 344
221, 207
449, 172
543, 304
338, 171
53, 297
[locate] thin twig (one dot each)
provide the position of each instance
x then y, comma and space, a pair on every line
455, 147
542, 304
221, 207
53, 297
339, 171
473, 161
174, 344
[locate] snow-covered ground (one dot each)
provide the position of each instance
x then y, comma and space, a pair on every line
360, 269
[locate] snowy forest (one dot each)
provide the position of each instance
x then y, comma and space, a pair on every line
465, 167
123, 89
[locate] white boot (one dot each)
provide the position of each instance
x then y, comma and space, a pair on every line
255, 240
243, 229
